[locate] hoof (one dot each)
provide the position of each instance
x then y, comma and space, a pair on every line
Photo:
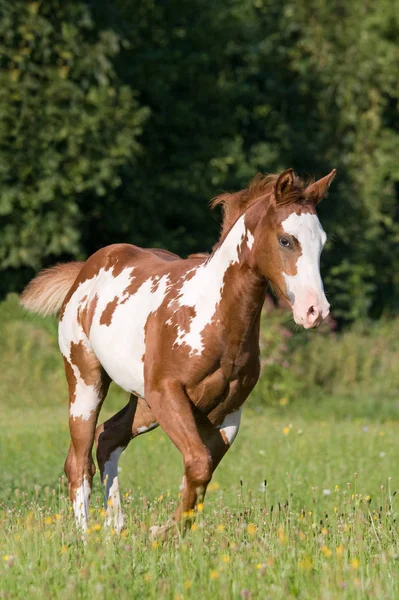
159, 532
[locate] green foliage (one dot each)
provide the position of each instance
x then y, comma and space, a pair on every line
354, 372
67, 125
226, 89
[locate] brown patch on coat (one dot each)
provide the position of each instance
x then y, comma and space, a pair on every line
86, 361
182, 317
107, 314
155, 284
132, 288
71, 380
86, 314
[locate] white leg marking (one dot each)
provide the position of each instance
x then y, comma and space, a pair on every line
144, 429
112, 495
230, 425
81, 503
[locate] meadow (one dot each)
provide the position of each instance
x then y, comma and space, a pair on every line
304, 505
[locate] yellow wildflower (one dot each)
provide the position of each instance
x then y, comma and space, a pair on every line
282, 536
251, 529
286, 430
200, 506
305, 564
194, 527
355, 564
220, 528
187, 584
326, 551
226, 558
213, 574
155, 544
213, 486
339, 550
96, 527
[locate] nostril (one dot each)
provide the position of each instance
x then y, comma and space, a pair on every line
311, 311
313, 314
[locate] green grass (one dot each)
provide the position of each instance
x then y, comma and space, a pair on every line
323, 527
312, 532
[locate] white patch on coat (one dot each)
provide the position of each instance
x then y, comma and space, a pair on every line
70, 331
250, 239
112, 500
306, 228
204, 290
86, 399
81, 503
144, 429
121, 346
231, 425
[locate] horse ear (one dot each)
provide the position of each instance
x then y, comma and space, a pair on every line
317, 190
284, 184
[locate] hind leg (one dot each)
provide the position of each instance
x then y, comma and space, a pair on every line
88, 385
112, 438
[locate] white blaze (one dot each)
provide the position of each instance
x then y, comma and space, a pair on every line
306, 286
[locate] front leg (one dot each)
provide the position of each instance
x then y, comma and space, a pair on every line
173, 410
217, 440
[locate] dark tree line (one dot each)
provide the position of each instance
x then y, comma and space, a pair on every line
120, 120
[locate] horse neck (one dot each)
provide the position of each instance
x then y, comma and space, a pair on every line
230, 268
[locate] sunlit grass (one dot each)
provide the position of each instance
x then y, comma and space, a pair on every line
307, 512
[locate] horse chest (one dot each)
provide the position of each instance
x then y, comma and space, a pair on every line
227, 386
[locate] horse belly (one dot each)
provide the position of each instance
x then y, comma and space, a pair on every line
120, 349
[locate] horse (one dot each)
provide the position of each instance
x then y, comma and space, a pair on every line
180, 335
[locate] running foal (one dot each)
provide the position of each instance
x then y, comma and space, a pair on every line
181, 335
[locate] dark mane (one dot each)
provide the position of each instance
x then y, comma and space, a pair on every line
261, 187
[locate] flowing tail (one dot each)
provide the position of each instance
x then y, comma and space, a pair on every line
46, 293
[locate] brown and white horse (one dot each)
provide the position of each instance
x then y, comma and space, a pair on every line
181, 335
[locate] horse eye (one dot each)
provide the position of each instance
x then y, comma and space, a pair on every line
285, 242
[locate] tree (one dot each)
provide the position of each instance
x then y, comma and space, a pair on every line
67, 127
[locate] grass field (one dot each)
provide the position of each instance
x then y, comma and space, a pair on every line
323, 526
